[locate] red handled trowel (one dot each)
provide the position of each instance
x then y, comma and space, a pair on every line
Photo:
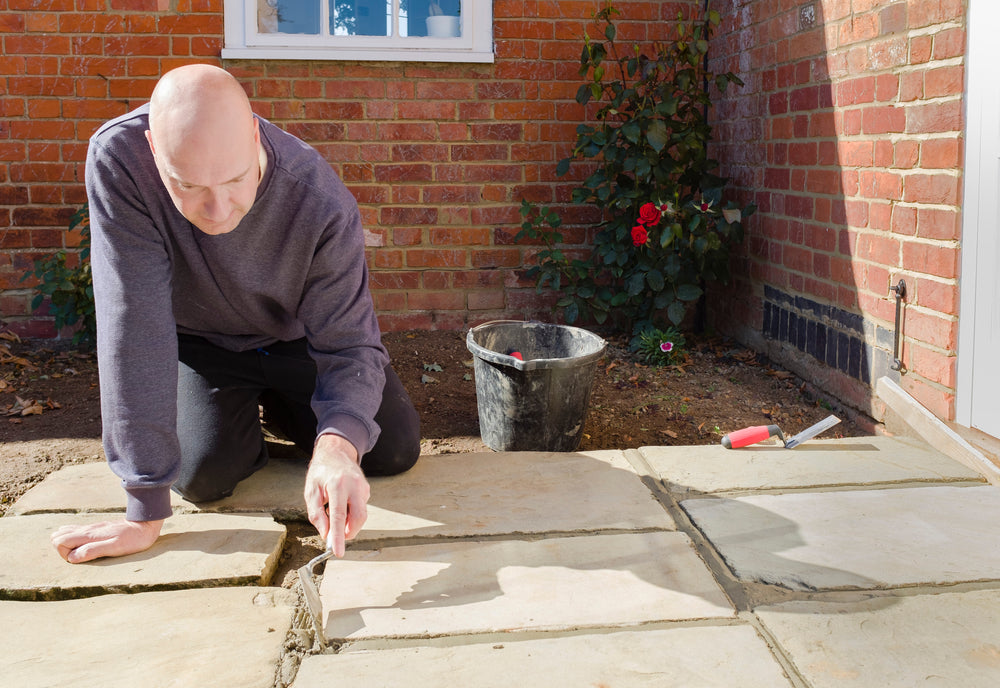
759, 433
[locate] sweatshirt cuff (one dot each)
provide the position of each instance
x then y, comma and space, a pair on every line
148, 504
351, 429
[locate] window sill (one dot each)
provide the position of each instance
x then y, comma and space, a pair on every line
358, 54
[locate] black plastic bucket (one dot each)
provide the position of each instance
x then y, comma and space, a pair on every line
539, 403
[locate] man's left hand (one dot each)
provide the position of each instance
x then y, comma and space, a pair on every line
335, 481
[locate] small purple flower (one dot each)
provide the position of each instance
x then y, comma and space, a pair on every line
666, 347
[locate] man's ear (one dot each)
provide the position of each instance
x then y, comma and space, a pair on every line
149, 138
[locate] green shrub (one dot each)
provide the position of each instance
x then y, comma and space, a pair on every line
70, 290
666, 230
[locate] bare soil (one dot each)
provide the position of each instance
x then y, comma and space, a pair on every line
50, 406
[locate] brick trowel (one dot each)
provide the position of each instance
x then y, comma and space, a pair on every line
759, 433
311, 593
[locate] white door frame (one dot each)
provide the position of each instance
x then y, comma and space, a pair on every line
982, 109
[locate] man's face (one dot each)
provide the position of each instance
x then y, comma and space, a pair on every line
214, 184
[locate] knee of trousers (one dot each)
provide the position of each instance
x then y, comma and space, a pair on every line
200, 489
211, 477
392, 460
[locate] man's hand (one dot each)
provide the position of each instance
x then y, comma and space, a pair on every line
77, 544
334, 478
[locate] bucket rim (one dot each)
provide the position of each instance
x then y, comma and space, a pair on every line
534, 363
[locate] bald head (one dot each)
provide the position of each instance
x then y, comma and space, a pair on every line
206, 143
195, 104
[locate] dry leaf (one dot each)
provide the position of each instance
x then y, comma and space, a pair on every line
33, 410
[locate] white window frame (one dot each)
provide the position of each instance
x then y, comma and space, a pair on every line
244, 42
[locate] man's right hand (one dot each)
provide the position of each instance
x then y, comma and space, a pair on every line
77, 544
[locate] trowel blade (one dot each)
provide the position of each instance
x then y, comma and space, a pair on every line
812, 431
311, 594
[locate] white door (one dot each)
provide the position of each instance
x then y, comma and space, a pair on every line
978, 394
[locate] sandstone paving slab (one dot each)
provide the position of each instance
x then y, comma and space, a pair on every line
92, 487
857, 539
948, 639
491, 493
225, 637
193, 550
485, 493
512, 585
847, 461
715, 656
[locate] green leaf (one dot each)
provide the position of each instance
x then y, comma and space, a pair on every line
676, 312
654, 278
657, 135
572, 312
689, 292
609, 32
635, 284
631, 131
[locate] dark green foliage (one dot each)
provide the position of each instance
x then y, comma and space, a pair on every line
667, 231
70, 290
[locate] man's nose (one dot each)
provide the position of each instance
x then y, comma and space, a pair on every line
217, 204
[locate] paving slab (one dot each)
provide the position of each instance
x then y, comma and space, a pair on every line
483, 493
513, 585
708, 657
92, 487
857, 539
817, 463
490, 493
949, 639
228, 637
194, 550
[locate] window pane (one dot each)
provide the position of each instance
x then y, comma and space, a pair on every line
288, 16
361, 17
438, 18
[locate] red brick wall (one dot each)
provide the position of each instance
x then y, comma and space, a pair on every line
439, 156
848, 135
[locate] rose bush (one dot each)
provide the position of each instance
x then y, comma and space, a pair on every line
666, 230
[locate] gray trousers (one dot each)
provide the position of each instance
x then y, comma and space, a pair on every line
219, 397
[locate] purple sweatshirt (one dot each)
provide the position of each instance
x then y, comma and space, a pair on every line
294, 267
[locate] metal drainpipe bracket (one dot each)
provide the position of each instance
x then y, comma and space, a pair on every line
900, 289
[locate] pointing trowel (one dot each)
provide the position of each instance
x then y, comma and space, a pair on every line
759, 433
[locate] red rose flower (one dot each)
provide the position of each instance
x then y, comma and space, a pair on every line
649, 214
639, 235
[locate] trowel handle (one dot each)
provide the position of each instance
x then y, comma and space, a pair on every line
748, 436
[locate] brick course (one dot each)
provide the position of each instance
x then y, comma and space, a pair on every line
847, 135
883, 89
439, 156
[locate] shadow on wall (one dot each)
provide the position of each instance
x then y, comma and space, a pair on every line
809, 139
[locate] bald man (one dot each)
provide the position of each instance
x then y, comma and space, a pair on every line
229, 275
